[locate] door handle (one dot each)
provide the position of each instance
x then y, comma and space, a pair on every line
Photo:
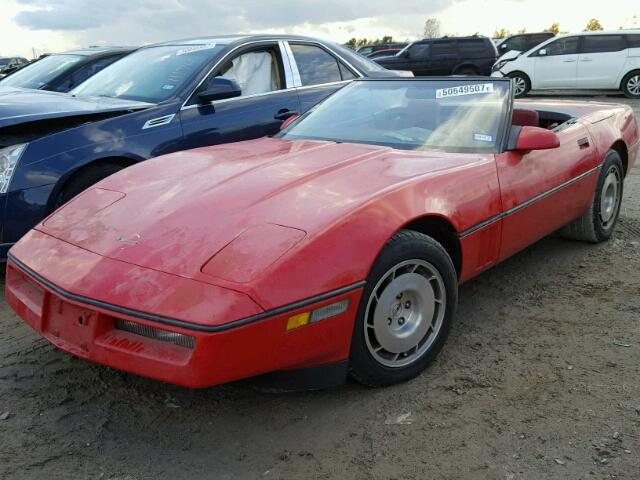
568, 61
586, 60
583, 142
284, 114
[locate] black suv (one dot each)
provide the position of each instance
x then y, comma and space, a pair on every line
445, 56
522, 42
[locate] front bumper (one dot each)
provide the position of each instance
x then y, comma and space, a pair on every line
51, 295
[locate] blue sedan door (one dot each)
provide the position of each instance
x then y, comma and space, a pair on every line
267, 99
317, 72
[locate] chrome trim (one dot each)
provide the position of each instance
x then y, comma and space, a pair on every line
526, 203
324, 85
286, 61
159, 121
235, 99
297, 81
294, 68
181, 323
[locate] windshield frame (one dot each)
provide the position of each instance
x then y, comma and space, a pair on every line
505, 123
180, 93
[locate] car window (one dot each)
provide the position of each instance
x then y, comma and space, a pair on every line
562, 46
472, 47
90, 69
365, 51
419, 51
455, 115
315, 65
633, 41
151, 74
603, 43
443, 48
41, 72
346, 73
256, 72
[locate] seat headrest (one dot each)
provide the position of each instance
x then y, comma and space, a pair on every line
525, 118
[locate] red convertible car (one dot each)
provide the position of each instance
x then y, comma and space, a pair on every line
336, 246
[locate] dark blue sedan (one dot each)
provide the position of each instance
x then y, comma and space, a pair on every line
159, 99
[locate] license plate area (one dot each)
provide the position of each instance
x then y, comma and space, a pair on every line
72, 325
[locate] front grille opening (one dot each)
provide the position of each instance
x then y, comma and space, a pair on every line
155, 333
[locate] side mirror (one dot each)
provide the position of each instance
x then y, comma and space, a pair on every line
220, 88
542, 52
535, 138
289, 121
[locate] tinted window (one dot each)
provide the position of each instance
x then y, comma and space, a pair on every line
345, 72
42, 72
443, 48
633, 41
474, 47
603, 43
315, 65
516, 43
563, 46
365, 51
419, 51
534, 40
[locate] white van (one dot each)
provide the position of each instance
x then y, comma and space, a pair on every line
589, 60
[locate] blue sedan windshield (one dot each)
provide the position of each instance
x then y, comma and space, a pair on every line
455, 115
151, 74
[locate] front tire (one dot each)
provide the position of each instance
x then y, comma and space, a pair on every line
598, 223
631, 85
521, 84
406, 310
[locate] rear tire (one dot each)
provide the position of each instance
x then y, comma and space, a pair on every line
521, 84
598, 223
86, 178
406, 310
631, 85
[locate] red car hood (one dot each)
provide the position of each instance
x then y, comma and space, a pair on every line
175, 212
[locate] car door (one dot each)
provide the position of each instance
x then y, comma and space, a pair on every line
418, 60
444, 57
544, 190
601, 60
267, 99
556, 64
317, 72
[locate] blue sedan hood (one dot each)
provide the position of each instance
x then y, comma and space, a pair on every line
21, 105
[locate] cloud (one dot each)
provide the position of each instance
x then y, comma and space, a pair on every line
141, 21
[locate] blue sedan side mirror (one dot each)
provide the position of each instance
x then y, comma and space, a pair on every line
220, 88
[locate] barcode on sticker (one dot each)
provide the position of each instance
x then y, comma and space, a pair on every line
471, 89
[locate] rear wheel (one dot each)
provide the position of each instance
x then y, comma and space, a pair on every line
597, 223
631, 85
86, 178
406, 310
521, 84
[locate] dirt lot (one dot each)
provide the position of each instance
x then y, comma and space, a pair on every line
540, 379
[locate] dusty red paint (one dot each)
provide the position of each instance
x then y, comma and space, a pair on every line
215, 235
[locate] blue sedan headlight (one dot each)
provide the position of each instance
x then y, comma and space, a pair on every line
9, 157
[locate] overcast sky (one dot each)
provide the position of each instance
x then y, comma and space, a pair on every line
54, 25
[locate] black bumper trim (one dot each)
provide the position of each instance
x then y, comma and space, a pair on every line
181, 323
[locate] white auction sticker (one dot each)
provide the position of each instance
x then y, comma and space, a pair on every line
481, 137
470, 89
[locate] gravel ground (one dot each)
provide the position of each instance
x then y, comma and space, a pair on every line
540, 379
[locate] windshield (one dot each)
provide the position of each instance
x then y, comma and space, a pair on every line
454, 115
41, 72
151, 74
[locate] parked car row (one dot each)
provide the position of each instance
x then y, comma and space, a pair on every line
8, 65
589, 60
